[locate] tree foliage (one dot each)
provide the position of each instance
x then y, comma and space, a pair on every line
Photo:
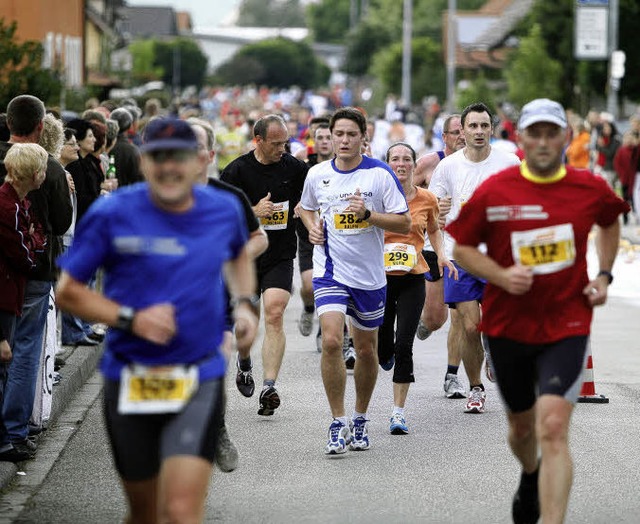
427, 70
21, 71
478, 90
271, 13
328, 21
143, 58
193, 62
276, 62
531, 72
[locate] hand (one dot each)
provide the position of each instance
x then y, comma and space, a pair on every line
316, 233
356, 204
444, 204
517, 280
156, 323
296, 210
72, 186
453, 270
596, 291
5, 351
246, 327
264, 208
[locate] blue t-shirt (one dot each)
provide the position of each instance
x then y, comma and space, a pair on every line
151, 256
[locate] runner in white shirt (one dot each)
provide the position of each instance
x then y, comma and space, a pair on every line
458, 176
358, 197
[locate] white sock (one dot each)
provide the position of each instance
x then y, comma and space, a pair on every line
356, 415
343, 420
399, 411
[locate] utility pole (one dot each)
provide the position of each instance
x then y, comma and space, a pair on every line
407, 29
614, 78
452, 40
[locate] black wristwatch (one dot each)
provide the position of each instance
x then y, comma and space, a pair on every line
125, 319
252, 300
607, 274
367, 214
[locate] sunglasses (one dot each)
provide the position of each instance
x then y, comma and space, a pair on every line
175, 155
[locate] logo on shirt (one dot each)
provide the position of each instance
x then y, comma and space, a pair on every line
325, 183
509, 213
136, 245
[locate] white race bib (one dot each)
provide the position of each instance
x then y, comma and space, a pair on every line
279, 218
545, 250
347, 223
400, 257
156, 389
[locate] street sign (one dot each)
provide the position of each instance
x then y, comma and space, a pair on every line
591, 37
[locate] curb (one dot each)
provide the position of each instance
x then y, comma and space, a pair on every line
80, 364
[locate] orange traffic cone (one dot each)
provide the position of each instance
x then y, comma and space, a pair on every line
588, 391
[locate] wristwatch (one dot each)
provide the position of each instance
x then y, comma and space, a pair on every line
252, 300
367, 214
607, 274
125, 319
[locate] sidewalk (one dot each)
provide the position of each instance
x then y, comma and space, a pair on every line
80, 364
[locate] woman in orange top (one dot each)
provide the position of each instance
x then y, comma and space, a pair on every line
577, 152
405, 267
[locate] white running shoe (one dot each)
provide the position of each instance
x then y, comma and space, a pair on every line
453, 388
339, 438
476, 401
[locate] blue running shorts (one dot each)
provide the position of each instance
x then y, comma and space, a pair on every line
466, 289
365, 307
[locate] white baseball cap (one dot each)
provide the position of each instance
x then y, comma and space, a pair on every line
542, 110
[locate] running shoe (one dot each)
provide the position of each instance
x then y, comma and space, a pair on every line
422, 332
226, 452
475, 403
526, 505
452, 387
398, 425
339, 438
305, 324
244, 380
269, 401
359, 436
388, 365
348, 352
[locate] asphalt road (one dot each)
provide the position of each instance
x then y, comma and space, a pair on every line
451, 468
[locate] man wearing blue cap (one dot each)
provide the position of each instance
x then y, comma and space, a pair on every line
163, 300
537, 307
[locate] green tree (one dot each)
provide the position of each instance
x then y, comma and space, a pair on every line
193, 62
427, 69
477, 90
276, 62
271, 13
143, 58
21, 71
328, 21
532, 73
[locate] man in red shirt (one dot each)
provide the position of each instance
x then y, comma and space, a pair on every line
537, 307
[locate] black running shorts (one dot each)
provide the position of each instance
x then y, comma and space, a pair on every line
140, 443
526, 371
279, 275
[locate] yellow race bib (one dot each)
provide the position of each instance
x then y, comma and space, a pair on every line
278, 219
546, 250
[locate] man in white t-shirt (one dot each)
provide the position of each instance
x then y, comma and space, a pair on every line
458, 175
358, 197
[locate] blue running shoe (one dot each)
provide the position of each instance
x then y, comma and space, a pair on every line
339, 438
398, 425
388, 365
359, 436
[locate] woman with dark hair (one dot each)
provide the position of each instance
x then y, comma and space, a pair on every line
86, 171
405, 268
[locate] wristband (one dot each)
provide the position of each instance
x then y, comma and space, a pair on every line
367, 214
125, 319
607, 274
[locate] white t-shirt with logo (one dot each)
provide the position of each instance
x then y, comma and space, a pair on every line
459, 177
353, 252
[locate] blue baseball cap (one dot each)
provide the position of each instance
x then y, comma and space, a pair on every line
168, 133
